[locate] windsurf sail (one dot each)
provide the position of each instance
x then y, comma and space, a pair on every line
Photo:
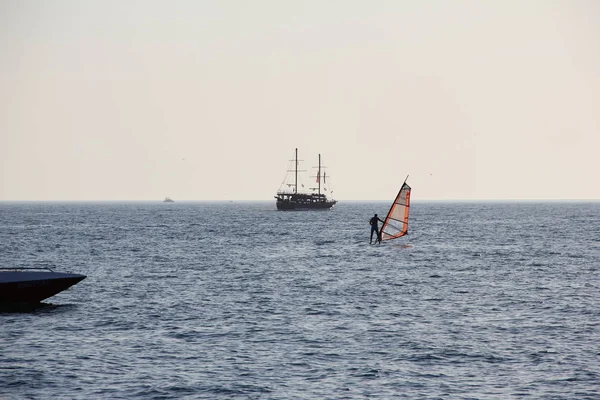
395, 224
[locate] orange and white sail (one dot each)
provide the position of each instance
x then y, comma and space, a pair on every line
395, 224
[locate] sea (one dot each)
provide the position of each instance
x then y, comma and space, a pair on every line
235, 300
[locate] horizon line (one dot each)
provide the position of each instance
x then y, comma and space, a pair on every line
461, 200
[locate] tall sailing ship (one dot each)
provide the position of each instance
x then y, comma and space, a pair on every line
291, 197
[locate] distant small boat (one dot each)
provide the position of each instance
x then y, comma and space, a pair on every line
32, 285
168, 200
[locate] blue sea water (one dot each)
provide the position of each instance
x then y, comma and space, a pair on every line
239, 301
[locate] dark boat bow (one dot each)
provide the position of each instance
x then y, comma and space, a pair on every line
32, 285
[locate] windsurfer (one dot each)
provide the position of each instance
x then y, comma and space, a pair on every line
375, 228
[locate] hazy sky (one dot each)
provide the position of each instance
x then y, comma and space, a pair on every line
206, 100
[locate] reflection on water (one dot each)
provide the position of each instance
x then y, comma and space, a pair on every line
35, 308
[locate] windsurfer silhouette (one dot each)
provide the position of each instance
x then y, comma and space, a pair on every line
375, 228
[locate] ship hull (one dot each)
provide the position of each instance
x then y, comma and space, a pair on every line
303, 207
299, 202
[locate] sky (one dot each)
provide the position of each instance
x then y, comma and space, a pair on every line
207, 100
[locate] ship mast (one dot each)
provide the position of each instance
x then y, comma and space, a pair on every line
319, 175
296, 169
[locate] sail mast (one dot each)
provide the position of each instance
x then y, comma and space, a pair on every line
319, 175
296, 169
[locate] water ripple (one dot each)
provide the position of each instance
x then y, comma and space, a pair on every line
224, 301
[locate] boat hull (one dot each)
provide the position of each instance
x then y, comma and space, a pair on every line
291, 206
303, 201
33, 287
